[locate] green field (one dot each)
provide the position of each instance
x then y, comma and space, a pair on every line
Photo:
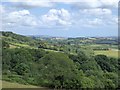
6, 84
109, 53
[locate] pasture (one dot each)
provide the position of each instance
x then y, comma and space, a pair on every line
109, 53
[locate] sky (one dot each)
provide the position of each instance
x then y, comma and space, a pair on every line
64, 18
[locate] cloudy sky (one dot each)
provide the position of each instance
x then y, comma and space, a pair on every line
70, 18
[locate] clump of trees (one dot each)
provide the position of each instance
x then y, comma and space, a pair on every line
59, 70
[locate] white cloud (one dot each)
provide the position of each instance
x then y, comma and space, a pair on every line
95, 21
57, 17
96, 17
97, 11
88, 22
19, 18
31, 3
112, 21
54, 18
76, 3
88, 4
109, 3
37, 4
20, 13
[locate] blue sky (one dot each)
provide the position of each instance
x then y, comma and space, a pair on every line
65, 19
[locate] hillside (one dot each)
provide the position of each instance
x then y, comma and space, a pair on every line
15, 40
57, 64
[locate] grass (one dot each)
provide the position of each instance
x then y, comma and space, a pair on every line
6, 84
109, 53
15, 45
22, 45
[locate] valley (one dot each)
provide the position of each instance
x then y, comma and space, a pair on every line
60, 63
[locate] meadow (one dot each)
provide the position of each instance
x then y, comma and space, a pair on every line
109, 53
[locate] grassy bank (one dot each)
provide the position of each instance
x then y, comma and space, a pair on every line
6, 84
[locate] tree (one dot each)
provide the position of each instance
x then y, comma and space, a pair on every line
58, 71
87, 83
5, 44
111, 79
102, 60
22, 69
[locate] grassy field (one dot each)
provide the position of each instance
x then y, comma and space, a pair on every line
103, 46
6, 84
14, 45
109, 53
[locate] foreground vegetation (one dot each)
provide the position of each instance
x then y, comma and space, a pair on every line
67, 66
6, 84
